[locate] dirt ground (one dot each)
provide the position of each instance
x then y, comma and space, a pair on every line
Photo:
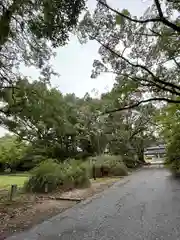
28, 210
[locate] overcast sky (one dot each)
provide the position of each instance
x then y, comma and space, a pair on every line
74, 61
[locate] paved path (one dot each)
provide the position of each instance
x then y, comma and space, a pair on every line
146, 207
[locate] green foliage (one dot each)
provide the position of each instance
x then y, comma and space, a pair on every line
129, 132
130, 161
56, 125
119, 169
148, 59
121, 20
54, 175
63, 126
76, 175
109, 165
12, 152
169, 127
173, 152
33, 29
47, 172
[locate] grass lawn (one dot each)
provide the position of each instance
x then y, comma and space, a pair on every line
7, 180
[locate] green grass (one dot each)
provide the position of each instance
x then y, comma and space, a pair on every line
7, 180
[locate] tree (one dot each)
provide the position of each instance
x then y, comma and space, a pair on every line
169, 127
64, 126
56, 125
91, 135
43, 117
26, 26
12, 152
143, 52
129, 132
29, 30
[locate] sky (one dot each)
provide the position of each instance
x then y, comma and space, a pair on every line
74, 61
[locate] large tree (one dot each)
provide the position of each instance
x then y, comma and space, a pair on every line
42, 116
56, 125
61, 126
29, 30
92, 137
143, 53
128, 132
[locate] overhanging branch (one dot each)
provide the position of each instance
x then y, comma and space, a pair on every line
156, 79
161, 18
160, 99
148, 83
127, 17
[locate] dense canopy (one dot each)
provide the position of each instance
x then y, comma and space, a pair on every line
143, 52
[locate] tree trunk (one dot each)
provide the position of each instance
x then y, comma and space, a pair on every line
141, 155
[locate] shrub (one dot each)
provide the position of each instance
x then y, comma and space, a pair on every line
48, 172
173, 154
109, 160
109, 165
76, 174
65, 176
129, 161
119, 169
173, 166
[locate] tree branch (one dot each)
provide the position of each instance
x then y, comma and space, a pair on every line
158, 6
160, 99
139, 130
149, 83
158, 19
127, 17
173, 86
176, 62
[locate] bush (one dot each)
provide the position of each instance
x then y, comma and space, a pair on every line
54, 175
119, 169
172, 161
173, 166
129, 161
109, 165
76, 174
12, 152
48, 172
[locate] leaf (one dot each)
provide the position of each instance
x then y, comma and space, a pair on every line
125, 12
118, 19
